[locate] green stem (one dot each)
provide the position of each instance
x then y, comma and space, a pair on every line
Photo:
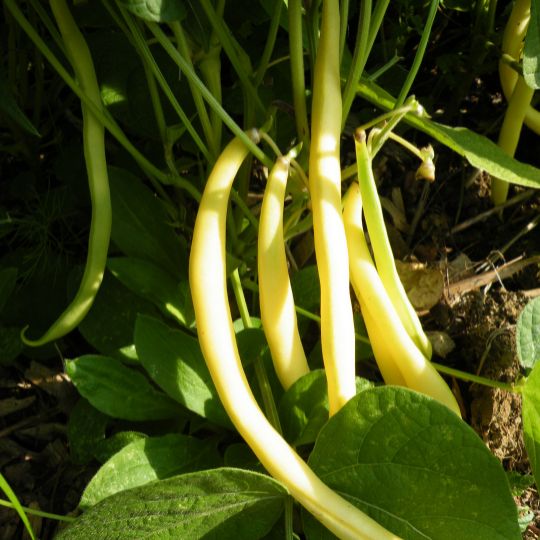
262, 377
241, 65
183, 49
210, 99
270, 43
16, 505
40, 513
146, 54
343, 23
102, 116
359, 60
377, 18
419, 56
464, 376
298, 81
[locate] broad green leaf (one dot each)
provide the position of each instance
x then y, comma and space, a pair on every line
156, 10
85, 430
306, 288
531, 419
119, 391
148, 280
8, 278
109, 324
225, 504
108, 447
478, 150
415, 467
531, 50
528, 334
146, 460
303, 409
174, 361
9, 106
141, 227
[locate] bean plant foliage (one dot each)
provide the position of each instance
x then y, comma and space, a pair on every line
177, 80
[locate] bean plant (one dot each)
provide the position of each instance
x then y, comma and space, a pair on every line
239, 275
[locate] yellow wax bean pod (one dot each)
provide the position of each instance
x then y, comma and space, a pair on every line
207, 278
337, 326
275, 294
401, 359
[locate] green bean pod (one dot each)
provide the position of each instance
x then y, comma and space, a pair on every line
399, 359
207, 278
96, 167
278, 314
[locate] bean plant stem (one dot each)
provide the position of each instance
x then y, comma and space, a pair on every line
296, 48
260, 372
470, 377
103, 117
419, 56
184, 50
359, 58
208, 96
40, 513
270, 43
238, 57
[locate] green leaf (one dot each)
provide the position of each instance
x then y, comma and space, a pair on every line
303, 409
531, 419
9, 106
306, 288
225, 504
156, 10
531, 50
140, 226
10, 494
174, 361
8, 279
108, 447
478, 150
85, 430
109, 324
528, 334
156, 285
146, 460
119, 391
415, 467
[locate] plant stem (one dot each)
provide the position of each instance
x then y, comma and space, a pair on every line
270, 43
262, 377
241, 64
296, 49
343, 23
183, 49
470, 377
208, 96
40, 513
103, 117
419, 56
359, 60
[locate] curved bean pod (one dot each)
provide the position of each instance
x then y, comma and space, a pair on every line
337, 326
207, 278
396, 354
96, 166
276, 300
